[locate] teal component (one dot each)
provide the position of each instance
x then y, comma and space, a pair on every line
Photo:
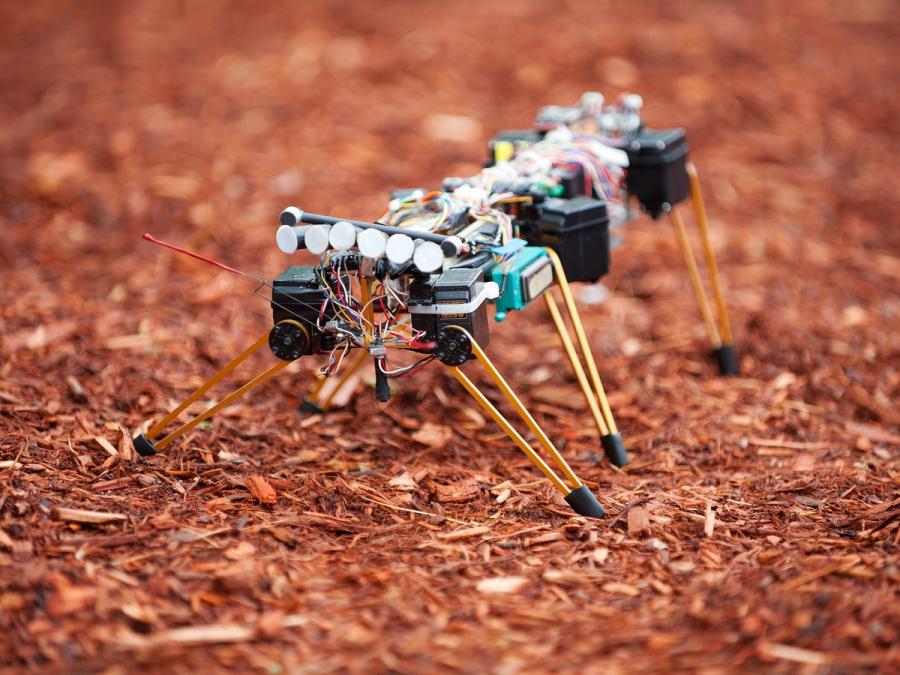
521, 279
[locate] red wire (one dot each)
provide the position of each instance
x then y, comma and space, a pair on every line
179, 249
418, 344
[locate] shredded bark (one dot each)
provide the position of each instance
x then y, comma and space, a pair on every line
757, 527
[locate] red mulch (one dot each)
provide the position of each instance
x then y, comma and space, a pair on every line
758, 526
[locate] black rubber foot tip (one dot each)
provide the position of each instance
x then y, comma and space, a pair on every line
727, 359
584, 503
382, 384
307, 407
143, 446
614, 449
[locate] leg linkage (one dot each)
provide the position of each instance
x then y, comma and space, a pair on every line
535, 428
576, 364
504, 424
593, 391
725, 352
576, 493
228, 400
696, 282
145, 444
154, 431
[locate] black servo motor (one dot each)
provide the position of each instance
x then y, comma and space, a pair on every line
434, 302
657, 170
297, 295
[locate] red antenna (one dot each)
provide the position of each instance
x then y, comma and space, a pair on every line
149, 237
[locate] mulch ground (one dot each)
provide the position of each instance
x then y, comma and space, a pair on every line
758, 525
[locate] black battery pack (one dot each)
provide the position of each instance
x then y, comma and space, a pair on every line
577, 229
656, 173
297, 295
456, 286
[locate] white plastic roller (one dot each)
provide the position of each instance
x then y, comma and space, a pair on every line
632, 102
592, 103
399, 248
372, 242
289, 237
316, 238
428, 256
342, 235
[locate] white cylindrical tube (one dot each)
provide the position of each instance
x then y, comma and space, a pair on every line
428, 256
290, 237
371, 242
632, 102
316, 238
342, 235
399, 248
592, 103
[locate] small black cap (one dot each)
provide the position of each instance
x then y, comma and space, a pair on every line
382, 384
143, 446
584, 503
614, 449
450, 248
290, 216
307, 407
727, 359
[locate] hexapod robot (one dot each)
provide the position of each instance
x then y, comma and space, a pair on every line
417, 282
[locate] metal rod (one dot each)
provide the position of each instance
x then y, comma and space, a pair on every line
233, 396
206, 386
694, 276
504, 424
536, 429
581, 336
709, 254
589, 397
319, 219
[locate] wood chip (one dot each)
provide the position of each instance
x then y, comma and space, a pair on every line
501, 585
709, 522
435, 436
403, 481
261, 489
457, 493
638, 521
841, 565
83, 516
620, 588
76, 390
795, 654
791, 445
873, 433
68, 599
191, 635
465, 533
106, 445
